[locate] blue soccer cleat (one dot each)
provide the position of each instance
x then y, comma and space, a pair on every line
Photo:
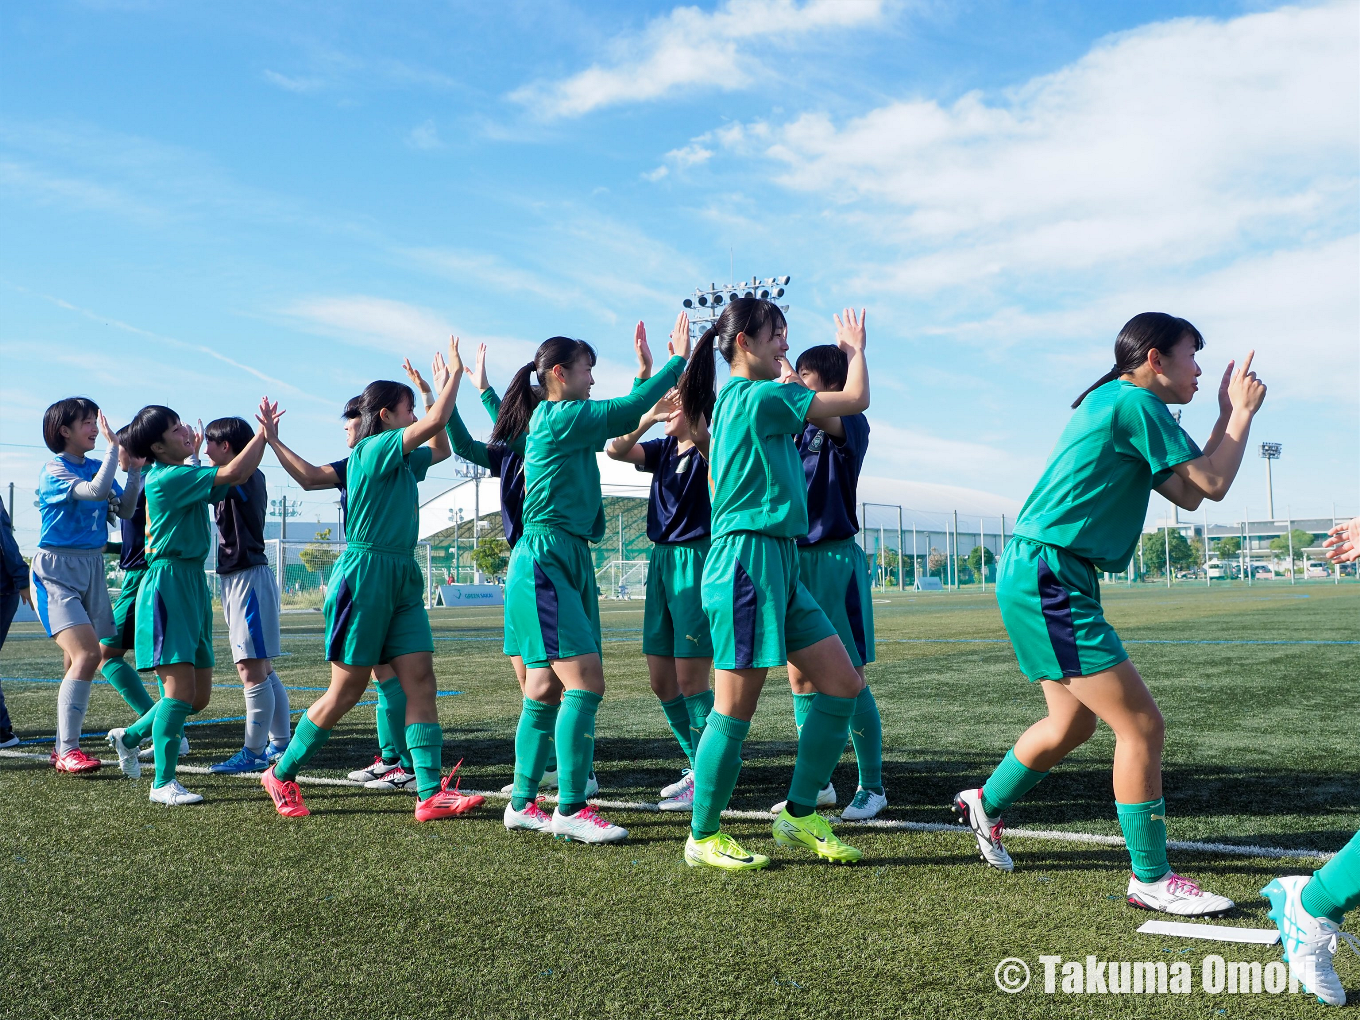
243, 761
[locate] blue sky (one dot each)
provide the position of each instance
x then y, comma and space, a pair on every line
204, 203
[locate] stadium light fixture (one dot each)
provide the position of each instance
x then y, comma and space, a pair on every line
1269, 452
706, 304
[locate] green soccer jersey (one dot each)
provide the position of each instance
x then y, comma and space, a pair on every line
384, 503
1092, 498
561, 475
177, 525
757, 475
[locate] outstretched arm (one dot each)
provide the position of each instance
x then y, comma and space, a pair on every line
625, 448
309, 476
99, 487
245, 463
439, 413
851, 337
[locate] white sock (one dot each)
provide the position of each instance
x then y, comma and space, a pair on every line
259, 710
73, 698
281, 726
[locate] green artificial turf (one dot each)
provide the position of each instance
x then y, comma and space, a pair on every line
117, 908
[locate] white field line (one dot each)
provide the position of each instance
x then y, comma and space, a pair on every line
1051, 835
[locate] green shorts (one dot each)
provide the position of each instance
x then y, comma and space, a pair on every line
510, 646
173, 616
1050, 604
125, 612
375, 608
758, 610
673, 622
836, 574
552, 606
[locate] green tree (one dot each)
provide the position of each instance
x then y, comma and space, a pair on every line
491, 555
979, 558
1301, 539
319, 558
1155, 549
1228, 547
937, 563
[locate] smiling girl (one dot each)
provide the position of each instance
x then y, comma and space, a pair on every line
1086, 515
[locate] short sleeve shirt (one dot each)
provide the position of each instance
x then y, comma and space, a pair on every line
757, 475
561, 475
678, 509
240, 526
176, 511
67, 522
1092, 498
831, 468
383, 499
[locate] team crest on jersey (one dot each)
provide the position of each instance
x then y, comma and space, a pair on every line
682, 465
816, 443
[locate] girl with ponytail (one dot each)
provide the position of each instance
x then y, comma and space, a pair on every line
551, 601
759, 613
1086, 515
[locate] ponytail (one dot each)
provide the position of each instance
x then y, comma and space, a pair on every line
517, 406
697, 383
1145, 332
749, 316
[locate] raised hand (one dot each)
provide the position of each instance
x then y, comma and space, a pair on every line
414, 375
1224, 400
643, 352
198, 437
268, 416
1245, 391
109, 435
478, 374
456, 365
850, 330
680, 336
439, 370
1344, 544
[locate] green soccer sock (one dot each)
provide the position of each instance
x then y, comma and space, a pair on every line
426, 743
866, 733
551, 765
307, 739
575, 747
698, 706
802, 705
678, 717
391, 718
533, 744
717, 762
127, 683
165, 734
1007, 784
821, 742
140, 731
1144, 828
1335, 887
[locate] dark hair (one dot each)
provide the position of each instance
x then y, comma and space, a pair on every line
148, 426
235, 433
1146, 331
379, 396
63, 413
517, 406
745, 315
351, 409
830, 363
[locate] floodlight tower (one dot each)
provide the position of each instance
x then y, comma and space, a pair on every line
705, 306
1269, 452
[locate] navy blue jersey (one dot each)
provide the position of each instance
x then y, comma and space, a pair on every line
831, 468
678, 509
341, 469
508, 466
240, 526
133, 556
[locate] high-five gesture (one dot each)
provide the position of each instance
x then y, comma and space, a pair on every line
643, 352
1245, 391
478, 374
439, 370
455, 359
268, 416
109, 435
1344, 544
679, 343
198, 440
850, 335
417, 380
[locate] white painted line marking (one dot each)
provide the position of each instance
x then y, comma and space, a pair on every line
1212, 932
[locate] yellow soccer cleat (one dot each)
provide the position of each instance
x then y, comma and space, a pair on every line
813, 833
721, 851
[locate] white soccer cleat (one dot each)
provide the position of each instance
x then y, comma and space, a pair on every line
377, 770
826, 797
549, 782
968, 806
586, 826
1309, 942
127, 756
172, 794
1172, 894
686, 779
147, 753
682, 795
532, 819
865, 804
394, 781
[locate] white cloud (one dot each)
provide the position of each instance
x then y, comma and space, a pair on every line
906, 453
424, 136
380, 323
1169, 144
293, 83
690, 48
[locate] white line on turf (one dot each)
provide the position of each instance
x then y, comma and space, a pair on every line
1050, 835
